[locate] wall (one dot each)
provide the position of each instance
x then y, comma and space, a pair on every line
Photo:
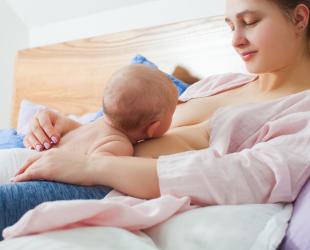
13, 36
28, 27
140, 15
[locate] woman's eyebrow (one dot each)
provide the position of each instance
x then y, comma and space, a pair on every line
241, 14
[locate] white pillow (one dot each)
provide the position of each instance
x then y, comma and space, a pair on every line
239, 227
86, 238
29, 109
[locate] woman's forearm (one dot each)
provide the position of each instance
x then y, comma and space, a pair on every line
130, 175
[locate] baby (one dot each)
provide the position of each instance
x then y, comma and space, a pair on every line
138, 102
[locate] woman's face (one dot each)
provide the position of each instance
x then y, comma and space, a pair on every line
262, 35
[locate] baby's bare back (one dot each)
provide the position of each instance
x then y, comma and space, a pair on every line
89, 137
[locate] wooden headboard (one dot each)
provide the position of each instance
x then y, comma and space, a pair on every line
70, 76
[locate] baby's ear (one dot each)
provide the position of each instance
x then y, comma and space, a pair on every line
152, 128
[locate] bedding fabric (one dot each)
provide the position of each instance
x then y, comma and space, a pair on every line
181, 86
242, 227
274, 138
298, 234
9, 138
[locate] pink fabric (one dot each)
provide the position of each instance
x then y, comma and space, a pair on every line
258, 153
117, 210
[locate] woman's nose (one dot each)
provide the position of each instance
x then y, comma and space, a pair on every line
239, 39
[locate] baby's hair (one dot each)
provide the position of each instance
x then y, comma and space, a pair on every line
138, 95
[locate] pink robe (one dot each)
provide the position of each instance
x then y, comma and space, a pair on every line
258, 153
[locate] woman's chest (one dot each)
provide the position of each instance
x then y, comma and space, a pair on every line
201, 109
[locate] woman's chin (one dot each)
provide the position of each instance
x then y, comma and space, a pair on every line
254, 69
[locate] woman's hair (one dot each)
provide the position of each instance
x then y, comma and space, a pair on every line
289, 5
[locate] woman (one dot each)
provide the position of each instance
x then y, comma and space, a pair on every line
254, 153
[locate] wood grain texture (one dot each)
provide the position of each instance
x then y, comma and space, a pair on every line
70, 76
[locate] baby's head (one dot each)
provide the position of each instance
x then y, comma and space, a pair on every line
140, 101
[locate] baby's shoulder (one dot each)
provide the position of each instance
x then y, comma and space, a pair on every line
115, 144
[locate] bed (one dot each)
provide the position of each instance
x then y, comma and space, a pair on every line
70, 77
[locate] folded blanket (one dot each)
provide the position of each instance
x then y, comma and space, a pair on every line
10, 139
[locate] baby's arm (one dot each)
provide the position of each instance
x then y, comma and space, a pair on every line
177, 140
117, 146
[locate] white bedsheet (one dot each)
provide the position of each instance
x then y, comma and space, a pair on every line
11, 160
241, 227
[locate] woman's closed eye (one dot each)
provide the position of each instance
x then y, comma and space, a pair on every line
250, 23
246, 23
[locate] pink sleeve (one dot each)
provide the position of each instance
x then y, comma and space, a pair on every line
273, 170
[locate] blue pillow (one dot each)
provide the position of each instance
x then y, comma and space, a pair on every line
10, 139
182, 86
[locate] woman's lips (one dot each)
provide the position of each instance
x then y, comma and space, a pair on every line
246, 56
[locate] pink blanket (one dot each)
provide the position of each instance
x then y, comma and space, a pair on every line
116, 210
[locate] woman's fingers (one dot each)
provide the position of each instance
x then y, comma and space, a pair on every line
28, 163
38, 166
30, 174
37, 137
27, 144
42, 134
30, 170
30, 141
47, 120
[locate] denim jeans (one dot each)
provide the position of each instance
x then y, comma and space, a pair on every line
17, 198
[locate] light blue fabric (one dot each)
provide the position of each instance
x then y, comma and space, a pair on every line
10, 139
139, 59
99, 114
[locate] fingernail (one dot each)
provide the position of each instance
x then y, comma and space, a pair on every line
38, 147
12, 179
46, 145
54, 139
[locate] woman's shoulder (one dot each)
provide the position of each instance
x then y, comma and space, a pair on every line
215, 83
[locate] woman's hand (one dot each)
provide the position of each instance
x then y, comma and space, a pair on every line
46, 129
56, 165
131, 175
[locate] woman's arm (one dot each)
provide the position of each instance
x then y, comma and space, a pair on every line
133, 176
272, 170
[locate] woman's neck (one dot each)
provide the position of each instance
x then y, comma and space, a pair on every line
291, 79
